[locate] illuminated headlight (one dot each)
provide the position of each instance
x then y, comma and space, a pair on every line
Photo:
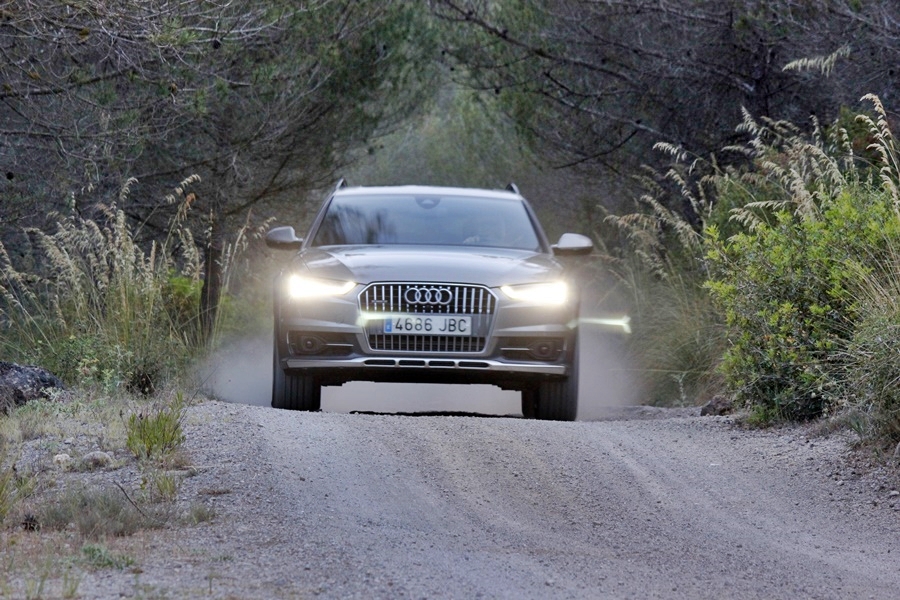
554, 293
308, 287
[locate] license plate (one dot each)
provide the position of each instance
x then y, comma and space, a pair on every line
428, 325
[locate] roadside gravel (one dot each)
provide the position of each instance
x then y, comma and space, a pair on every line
648, 503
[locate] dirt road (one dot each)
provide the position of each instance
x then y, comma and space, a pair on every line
384, 506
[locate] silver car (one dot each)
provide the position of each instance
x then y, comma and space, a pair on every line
427, 285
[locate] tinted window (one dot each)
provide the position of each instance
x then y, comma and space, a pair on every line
443, 220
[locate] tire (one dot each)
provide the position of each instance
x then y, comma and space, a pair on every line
555, 399
529, 404
293, 390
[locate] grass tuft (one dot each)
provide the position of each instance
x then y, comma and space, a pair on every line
91, 305
98, 513
156, 434
100, 557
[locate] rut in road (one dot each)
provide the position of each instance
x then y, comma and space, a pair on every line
508, 508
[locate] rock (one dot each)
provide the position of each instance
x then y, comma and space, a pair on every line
96, 460
719, 405
62, 460
20, 384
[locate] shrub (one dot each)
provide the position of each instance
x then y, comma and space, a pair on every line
872, 364
678, 331
788, 281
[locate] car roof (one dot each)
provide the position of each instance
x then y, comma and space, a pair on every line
426, 190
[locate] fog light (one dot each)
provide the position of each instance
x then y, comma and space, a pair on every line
307, 344
544, 349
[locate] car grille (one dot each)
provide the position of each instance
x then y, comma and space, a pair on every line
429, 299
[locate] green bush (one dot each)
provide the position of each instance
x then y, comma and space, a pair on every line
788, 281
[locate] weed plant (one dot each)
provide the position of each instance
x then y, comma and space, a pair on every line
679, 334
8, 491
100, 557
871, 381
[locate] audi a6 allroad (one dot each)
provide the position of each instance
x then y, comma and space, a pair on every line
427, 285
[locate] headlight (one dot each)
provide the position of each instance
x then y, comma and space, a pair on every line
308, 287
554, 293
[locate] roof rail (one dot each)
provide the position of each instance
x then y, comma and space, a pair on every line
341, 184
513, 188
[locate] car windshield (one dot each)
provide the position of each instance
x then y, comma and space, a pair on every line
427, 220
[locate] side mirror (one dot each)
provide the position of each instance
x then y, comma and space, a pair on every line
283, 238
573, 244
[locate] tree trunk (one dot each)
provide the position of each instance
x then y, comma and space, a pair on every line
213, 269
211, 293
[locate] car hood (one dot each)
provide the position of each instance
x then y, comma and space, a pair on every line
492, 267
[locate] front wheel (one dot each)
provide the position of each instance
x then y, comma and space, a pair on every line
555, 399
293, 390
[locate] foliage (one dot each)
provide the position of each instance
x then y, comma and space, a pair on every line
678, 333
678, 340
225, 86
872, 368
8, 482
786, 289
598, 84
796, 252
789, 281
262, 99
100, 557
461, 141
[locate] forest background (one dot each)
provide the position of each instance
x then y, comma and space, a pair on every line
733, 161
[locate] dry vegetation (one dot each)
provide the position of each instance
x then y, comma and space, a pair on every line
83, 482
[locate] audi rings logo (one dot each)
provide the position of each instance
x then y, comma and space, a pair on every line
429, 296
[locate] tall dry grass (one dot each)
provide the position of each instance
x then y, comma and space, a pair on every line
93, 306
678, 338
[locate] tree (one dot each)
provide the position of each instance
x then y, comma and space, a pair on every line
262, 100
599, 83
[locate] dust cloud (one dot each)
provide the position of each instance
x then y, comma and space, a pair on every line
241, 372
605, 380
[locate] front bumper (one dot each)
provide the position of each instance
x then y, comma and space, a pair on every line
519, 344
438, 364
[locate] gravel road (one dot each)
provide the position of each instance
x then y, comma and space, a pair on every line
650, 504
